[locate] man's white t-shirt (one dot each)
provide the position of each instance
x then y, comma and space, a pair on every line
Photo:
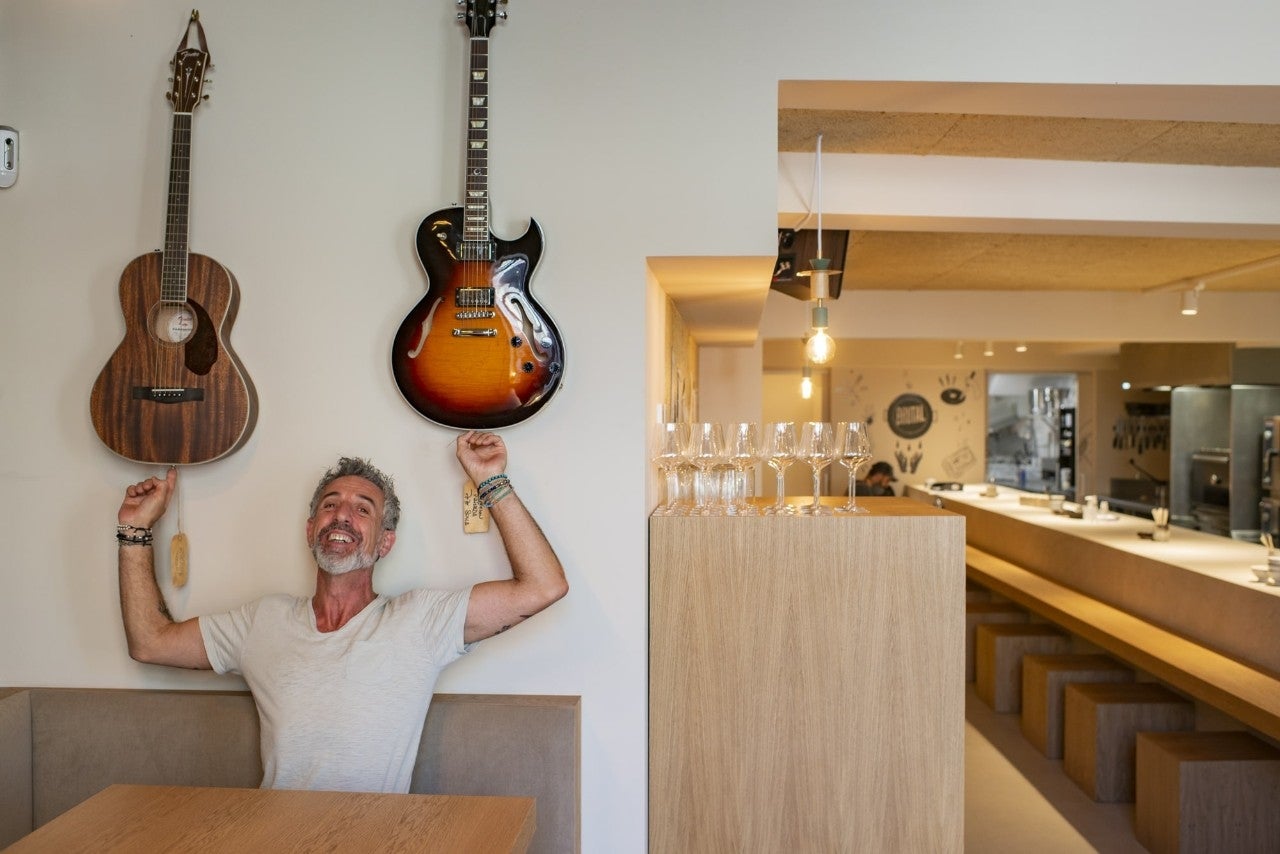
340, 710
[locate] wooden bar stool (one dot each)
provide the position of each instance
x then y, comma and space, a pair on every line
1100, 724
977, 613
1044, 679
999, 648
1207, 792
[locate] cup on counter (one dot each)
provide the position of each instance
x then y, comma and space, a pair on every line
991, 491
1161, 517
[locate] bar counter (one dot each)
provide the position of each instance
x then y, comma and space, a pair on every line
1197, 585
806, 681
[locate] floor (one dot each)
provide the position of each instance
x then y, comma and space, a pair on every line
1016, 800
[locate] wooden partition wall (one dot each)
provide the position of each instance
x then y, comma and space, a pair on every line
807, 682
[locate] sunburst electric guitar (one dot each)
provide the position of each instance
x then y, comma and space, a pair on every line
174, 392
477, 352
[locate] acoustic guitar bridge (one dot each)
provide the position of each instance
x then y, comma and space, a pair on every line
167, 395
475, 333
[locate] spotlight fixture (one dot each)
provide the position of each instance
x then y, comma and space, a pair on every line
959, 354
806, 383
1021, 348
989, 350
1191, 300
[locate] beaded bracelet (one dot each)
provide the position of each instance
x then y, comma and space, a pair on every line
132, 535
496, 491
489, 480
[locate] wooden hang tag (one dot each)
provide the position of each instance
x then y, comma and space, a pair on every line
475, 516
178, 559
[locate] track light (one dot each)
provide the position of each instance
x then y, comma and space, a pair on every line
806, 383
989, 350
1191, 300
1021, 348
959, 354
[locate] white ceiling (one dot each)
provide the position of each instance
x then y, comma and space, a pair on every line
990, 129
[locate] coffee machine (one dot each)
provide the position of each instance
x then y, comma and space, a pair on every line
1269, 481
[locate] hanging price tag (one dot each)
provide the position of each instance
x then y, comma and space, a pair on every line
475, 516
178, 559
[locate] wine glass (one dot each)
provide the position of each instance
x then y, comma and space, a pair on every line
779, 453
742, 450
818, 449
670, 441
854, 451
705, 451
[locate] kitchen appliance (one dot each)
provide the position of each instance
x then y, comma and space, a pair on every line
1211, 490
1067, 449
1270, 457
1269, 480
1269, 516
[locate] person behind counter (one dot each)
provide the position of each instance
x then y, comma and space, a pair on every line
342, 679
877, 481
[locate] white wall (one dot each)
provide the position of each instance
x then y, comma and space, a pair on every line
334, 128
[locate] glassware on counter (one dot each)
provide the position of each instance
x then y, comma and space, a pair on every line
779, 453
705, 452
669, 447
742, 450
818, 449
854, 452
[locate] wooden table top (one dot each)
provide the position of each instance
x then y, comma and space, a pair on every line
124, 818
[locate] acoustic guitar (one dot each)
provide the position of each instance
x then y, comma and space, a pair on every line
174, 392
477, 352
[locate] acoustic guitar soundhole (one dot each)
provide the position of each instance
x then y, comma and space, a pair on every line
172, 323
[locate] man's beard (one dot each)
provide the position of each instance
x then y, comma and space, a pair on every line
335, 565
342, 565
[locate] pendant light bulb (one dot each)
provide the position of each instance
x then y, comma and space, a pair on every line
820, 347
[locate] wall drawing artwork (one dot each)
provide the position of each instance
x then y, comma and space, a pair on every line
910, 416
925, 422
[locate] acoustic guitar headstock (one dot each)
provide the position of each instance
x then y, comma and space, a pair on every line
189, 66
481, 15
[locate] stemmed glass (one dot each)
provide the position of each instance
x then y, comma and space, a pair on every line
670, 442
854, 451
779, 453
742, 450
818, 449
705, 451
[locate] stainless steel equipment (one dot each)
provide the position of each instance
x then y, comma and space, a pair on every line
1211, 490
1270, 457
1269, 481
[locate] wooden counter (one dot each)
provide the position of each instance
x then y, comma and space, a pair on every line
1196, 585
807, 681
189, 818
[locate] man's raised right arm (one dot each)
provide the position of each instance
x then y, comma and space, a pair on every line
153, 635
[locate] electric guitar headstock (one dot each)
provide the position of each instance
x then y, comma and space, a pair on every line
481, 15
189, 65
